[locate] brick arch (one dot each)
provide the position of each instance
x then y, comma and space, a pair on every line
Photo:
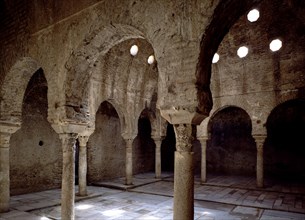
224, 17
284, 150
120, 111
82, 62
283, 107
231, 142
219, 111
14, 87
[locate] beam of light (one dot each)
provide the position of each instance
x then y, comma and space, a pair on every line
253, 15
83, 206
113, 212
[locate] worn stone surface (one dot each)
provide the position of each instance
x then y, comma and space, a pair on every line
82, 166
263, 79
83, 50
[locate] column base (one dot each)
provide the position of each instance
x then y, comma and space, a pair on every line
81, 194
4, 209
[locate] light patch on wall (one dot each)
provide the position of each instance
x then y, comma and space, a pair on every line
242, 51
134, 50
151, 59
253, 15
275, 45
215, 58
44, 218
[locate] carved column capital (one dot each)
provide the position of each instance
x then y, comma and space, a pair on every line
129, 142
260, 140
184, 137
202, 139
6, 130
68, 141
158, 140
5, 140
83, 140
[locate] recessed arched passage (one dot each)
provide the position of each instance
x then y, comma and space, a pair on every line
144, 146
285, 144
35, 149
231, 148
168, 149
106, 147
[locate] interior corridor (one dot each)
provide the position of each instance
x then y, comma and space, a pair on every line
222, 197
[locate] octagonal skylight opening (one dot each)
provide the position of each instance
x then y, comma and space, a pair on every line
253, 15
134, 50
151, 59
275, 45
242, 52
215, 58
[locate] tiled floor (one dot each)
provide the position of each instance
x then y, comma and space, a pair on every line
221, 198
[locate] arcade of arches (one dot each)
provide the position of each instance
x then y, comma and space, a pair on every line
79, 107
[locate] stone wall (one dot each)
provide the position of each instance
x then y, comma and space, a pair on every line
262, 79
259, 82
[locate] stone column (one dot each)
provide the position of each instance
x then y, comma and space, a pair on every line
260, 160
82, 167
5, 134
128, 164
158, 142
68, 175
184, 175
4, 172
203, 142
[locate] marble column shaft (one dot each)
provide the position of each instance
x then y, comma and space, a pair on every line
184, 173
68, 176
4, 172
260, 161
158, 142
82, 167
128, 161
203, 142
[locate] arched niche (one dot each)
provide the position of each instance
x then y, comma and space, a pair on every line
168, 148
83, 63
284, 150
106, 147
13, 89
144, 146
231, 148
125, 79
35, 149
